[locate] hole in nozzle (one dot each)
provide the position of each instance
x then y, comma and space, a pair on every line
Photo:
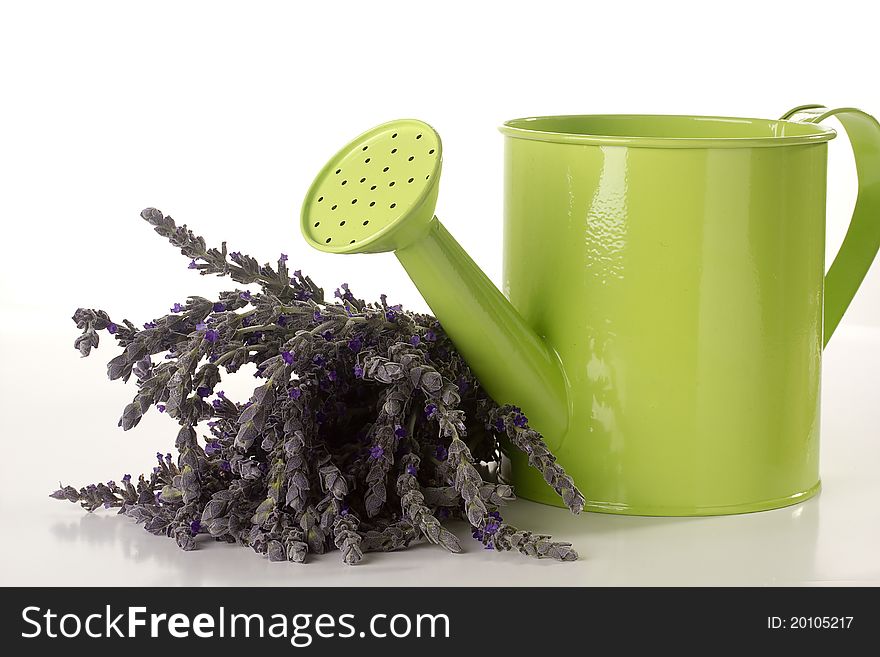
327, 241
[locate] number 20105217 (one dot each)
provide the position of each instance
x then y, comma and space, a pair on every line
809, 622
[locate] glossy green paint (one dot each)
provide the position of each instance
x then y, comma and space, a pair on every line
665, 323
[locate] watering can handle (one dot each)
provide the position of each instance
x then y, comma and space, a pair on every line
863, 235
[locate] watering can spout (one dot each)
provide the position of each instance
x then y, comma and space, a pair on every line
513, 363
378, 194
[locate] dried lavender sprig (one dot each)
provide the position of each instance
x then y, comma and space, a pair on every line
510, 421
235, 489
347, 539
507, 537
412, 503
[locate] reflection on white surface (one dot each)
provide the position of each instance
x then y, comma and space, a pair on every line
766, 548
834, 538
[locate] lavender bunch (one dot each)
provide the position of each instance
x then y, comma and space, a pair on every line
365, 432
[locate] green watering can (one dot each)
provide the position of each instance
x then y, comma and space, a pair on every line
665, 301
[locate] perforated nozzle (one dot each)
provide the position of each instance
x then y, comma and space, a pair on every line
378, 193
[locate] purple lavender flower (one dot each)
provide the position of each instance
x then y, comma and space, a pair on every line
160, 408
411, 470
317, 316
355, 344
319, 360
212, 447
203, 391
195, 526
520, 420
344, 511
358, 371
149, 325
477, 533
212, 335
287, 357
414, 341
441, 453
177, 308
217, 403
298, 274
111, 484
219, 307
224, 465
499, 425
213, 358
283, 257
282, 320
430, 410
376, 452
295, 393
491, 527
126, 478
430, 336
112, 328
401, 432
245, 296
192, 265
201, 326
235, 256
331, 375
390, 315
327, 335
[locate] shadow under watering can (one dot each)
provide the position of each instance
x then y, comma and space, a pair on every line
665, 300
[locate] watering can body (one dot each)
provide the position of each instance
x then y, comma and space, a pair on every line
680, 279
682, 289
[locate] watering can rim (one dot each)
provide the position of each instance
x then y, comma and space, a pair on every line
529, 128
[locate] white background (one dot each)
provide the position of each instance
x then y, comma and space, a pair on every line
221, 113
